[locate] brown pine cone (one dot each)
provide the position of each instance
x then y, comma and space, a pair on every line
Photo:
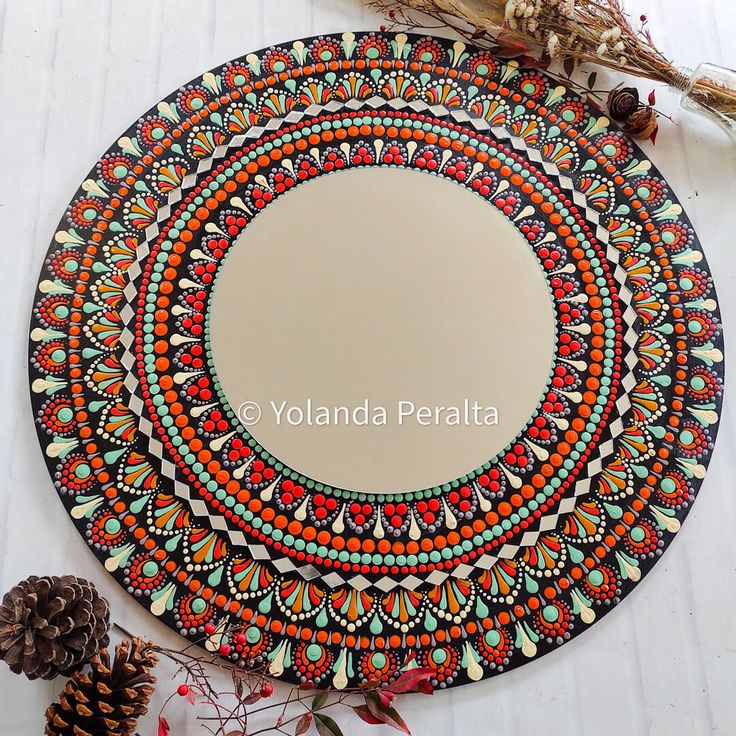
109, 700
623, 102
642, 123
52, 625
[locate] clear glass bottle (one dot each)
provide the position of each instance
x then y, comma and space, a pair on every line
710, 90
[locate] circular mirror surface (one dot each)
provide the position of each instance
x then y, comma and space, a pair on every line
394, 330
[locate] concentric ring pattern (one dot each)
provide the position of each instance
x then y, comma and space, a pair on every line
324, 584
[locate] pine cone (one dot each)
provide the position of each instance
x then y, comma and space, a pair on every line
107, 701
51, 626
623, 102
642, 123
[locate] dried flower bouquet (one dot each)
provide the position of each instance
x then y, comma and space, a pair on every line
568, 31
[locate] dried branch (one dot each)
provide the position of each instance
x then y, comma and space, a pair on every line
544, 31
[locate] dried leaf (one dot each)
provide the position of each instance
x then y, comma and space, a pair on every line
319, 700
191, 697
652, 98
163, 727
592, 79
386, 696
653, 136
303, 724
414, 680
385, 713
238, 684
326, 726
364, 714
568, 66
253, 697
510, 47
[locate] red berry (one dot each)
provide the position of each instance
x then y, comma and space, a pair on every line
209, 629
225, 649
266, 689
183, 690
240, 638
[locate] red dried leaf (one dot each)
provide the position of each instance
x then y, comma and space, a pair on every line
303, 724
163, 727
385, 714
386, 697
191, 697
510, 47
412, 681
254, 697
364, 714
653, 136
652, 98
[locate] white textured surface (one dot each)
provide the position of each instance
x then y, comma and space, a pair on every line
73, 75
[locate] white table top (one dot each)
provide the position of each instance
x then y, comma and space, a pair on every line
73, 74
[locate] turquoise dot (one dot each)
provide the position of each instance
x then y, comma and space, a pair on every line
279, 66
58, 356
83, 471
698, 383
439, 656
686, 284
314, 652
199, 605
89, 214
379, 660
112, 526
427, 56
372, 52
253, 635
595, 577
150, 569
568, 115
61, 312
119, 171
643, 192
694, 326
65, 415
482, 69
528, 88
638, 534
158, 133
609, 149
550, 614
668, 485
686, 437
493, 638
668, 236
197, 103
239, 79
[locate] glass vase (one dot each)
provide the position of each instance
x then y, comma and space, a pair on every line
710, 90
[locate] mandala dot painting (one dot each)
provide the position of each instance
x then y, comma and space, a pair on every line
229, 543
